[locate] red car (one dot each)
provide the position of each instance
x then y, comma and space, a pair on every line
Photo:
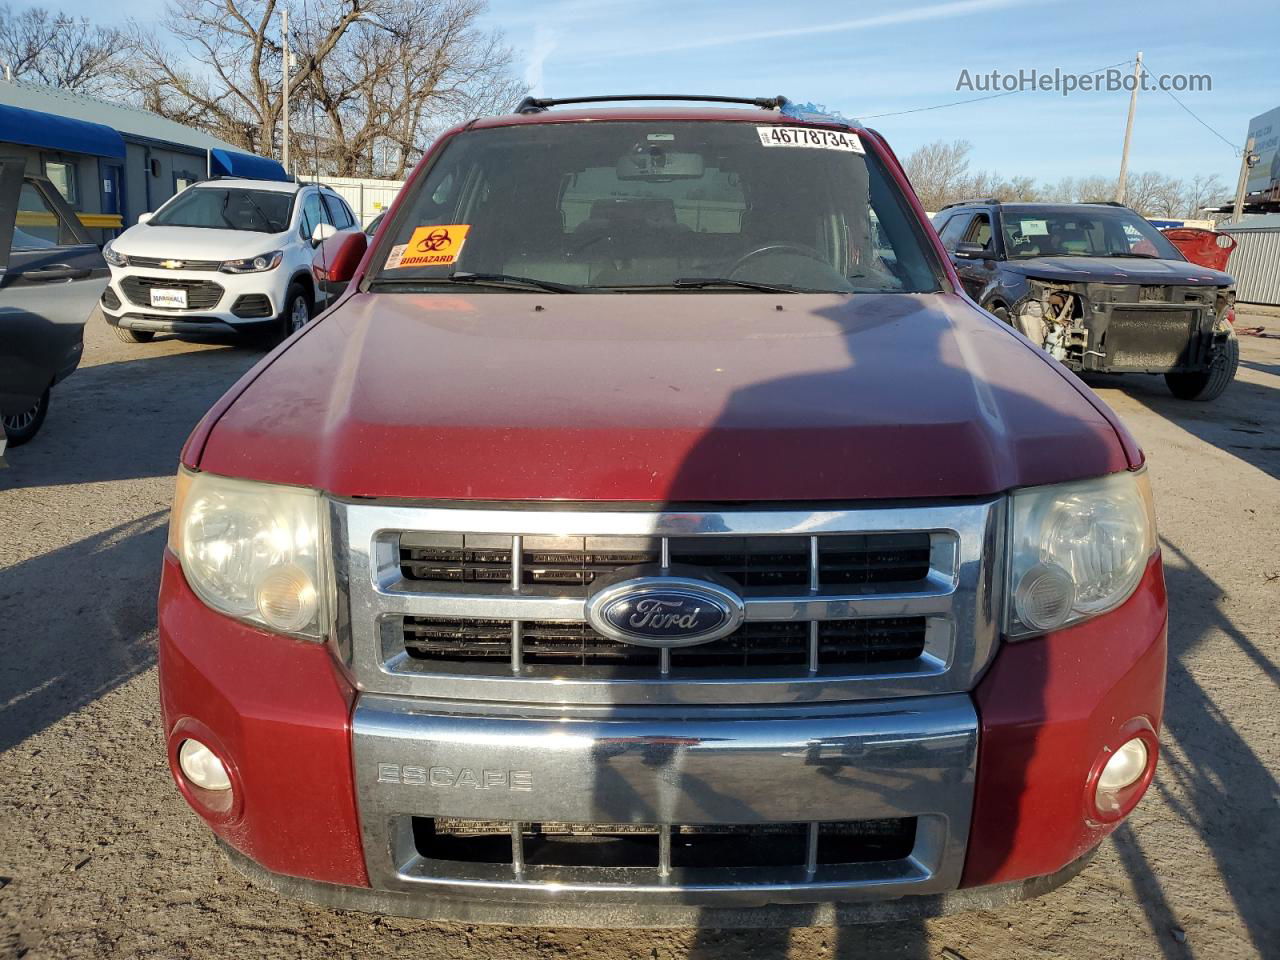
654, 533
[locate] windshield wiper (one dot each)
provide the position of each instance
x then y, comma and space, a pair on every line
698, 283
1138, 256
507, 280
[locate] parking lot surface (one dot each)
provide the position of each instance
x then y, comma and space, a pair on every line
99, 857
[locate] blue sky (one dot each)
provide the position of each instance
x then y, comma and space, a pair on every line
873, 58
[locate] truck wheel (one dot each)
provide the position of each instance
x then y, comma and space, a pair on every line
133, 336
1001, 313
1208, 384
22, 427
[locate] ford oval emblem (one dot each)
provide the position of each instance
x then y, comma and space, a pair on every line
665, 611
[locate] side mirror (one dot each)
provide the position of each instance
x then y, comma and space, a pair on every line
342, 265
145, 217
973, 251
323, 232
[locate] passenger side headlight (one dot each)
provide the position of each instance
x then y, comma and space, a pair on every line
1076, 550
259, 264
115, 259
254, 551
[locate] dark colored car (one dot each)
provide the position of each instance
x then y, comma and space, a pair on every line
1098, 287
51, 274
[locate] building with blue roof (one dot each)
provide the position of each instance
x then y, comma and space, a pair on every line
112, 162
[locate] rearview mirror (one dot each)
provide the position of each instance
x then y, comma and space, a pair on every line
655, 163
145, 217
973, 251
323, 232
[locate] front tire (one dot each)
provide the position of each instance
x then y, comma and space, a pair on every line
133, 336
1208, 384
22, 427
297, 310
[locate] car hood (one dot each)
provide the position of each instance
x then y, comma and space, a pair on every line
664, 397
1119, 270
195, 243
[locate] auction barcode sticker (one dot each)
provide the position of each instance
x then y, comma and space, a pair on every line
811, 137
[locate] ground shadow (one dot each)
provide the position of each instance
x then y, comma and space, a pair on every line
78, 621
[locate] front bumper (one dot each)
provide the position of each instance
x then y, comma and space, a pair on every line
327, 781
228, 313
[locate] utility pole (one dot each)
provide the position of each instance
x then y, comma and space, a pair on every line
284, 42
1128, 129
1247, 161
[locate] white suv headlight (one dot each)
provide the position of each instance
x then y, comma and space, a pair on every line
259, 264
1076, 550
115, 259
254, 551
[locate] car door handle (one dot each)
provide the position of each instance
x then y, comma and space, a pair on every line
56, 271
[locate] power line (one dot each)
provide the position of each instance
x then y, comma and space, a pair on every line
1193, 114
990, 96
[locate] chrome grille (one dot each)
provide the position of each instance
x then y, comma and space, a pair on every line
157, 263
840, 604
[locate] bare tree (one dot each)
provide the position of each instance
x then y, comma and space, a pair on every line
58, 50
939, 171
1201, 191
369, 76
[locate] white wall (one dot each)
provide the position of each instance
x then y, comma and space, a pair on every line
367, 198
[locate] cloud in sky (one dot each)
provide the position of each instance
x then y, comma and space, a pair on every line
936, 11
544, 42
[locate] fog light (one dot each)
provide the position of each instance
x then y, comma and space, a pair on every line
201, 766
1125, 767
287, 598
1044, 596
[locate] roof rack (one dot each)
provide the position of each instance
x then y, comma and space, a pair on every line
539, 104
965, 203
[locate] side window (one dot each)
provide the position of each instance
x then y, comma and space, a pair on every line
63, 175
953, 230
979, 232
38, 224
313, 214
339, 213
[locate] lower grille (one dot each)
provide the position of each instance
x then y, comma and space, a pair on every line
201, 294
682, 847
573, 643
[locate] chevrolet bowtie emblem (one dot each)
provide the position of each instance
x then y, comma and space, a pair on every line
171, 264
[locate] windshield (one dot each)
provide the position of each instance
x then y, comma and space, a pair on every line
624, 206
1082, 232
260, 211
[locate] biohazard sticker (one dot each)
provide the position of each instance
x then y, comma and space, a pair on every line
811, 137
437, 246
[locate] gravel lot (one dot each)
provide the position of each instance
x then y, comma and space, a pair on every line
99, 857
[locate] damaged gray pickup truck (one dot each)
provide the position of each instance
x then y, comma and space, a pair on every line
1099, 288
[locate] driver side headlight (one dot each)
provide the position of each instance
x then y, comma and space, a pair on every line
1076, 550
254, 551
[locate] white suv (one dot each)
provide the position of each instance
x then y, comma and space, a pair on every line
224, 254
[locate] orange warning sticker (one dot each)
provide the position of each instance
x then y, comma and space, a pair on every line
430, 247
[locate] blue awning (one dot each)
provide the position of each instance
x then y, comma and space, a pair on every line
231, 163
34, 128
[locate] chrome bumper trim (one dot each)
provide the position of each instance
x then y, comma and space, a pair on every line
909, 758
